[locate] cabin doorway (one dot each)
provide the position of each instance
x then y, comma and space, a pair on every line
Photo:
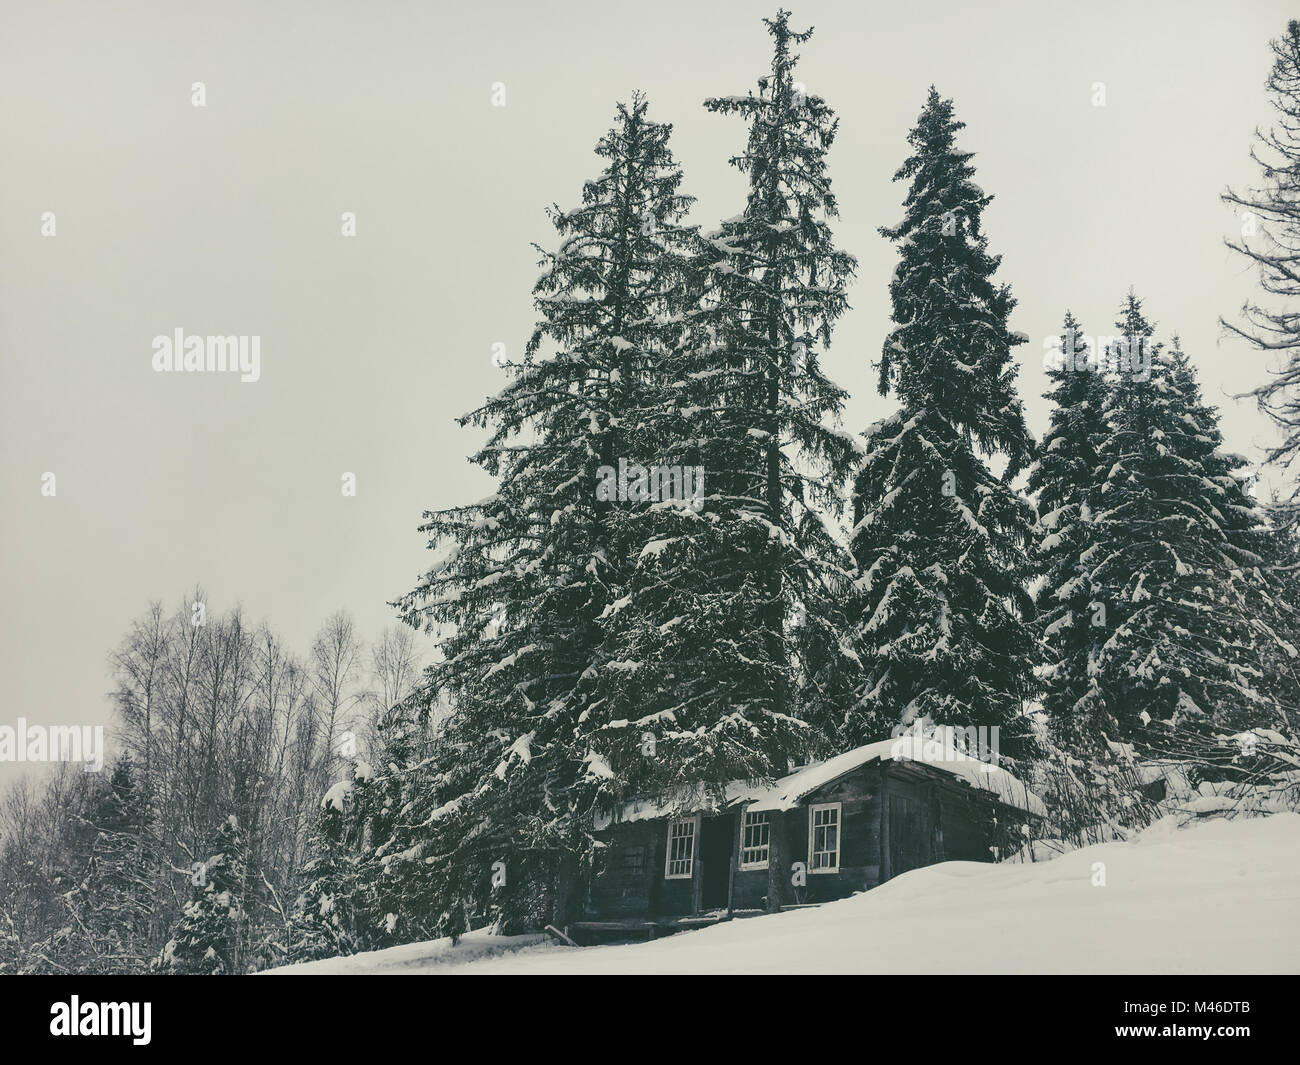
909, 835
715, 853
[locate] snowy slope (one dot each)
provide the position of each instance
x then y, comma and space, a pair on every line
436, 954
1220, 897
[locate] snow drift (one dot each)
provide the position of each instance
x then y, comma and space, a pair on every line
1219, 897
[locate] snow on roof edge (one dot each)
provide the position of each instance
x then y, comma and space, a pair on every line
787, 792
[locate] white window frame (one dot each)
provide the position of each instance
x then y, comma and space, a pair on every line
694, 821
766, 848
838, 807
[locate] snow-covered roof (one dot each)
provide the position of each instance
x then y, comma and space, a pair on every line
787, 792
649, 810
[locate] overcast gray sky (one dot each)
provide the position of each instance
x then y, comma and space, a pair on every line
226, 220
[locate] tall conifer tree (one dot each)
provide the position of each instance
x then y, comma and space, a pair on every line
940, 540
729, 640
1177, 562
1067, 478
211, 937
524, 576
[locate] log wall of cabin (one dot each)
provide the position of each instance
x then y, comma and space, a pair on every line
955, 823
629, 880
621, 884
858, 795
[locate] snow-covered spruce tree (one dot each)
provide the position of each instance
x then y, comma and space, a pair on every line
210, 938
1066, 478
391, 903
940, 540
1256, 743
488, 825
120, 883
1281, 659
1271, 764
105, 919
726, 643
1270, 238
1092, 789
325, 921
1177, 565
774, 286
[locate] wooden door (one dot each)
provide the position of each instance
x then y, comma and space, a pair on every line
909, 834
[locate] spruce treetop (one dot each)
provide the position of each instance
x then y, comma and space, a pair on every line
950, 349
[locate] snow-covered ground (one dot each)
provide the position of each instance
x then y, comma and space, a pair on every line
1218, 897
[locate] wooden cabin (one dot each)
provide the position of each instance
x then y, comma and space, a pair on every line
824, 832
